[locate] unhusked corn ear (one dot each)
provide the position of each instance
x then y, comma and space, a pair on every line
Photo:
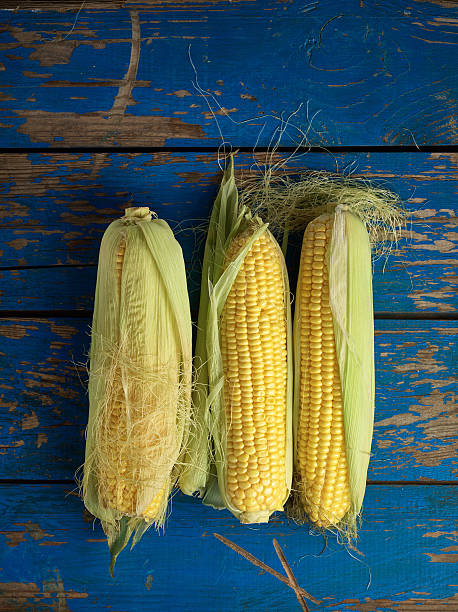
119, 481
140, 376
254, 332
334, 387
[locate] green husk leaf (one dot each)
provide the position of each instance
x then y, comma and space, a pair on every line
212, 496
117, 539
223, 218
350, 288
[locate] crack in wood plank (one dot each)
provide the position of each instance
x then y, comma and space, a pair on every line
124, 96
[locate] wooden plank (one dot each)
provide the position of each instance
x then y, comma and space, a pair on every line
55, 207
416, 424
43, 399
53, 557
367, 74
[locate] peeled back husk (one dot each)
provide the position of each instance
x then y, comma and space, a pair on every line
350, 292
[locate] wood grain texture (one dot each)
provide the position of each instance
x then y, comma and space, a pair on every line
43, 400
365, 73
55, 207
54, 558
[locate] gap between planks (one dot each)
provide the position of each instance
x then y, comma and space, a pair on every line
215, 149
383, 483
87, 314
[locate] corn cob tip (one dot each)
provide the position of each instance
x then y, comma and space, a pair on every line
139, 212
259, 516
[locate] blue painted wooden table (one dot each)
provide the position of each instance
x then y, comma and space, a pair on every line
109, 103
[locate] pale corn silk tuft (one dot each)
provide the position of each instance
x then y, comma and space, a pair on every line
288, 201
140, 377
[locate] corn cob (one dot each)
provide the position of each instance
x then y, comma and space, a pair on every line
333, 329
120, 480
253, 347
322, 464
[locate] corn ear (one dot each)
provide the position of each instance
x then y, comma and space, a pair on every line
235, 239
253, 342
139, 379
334, 362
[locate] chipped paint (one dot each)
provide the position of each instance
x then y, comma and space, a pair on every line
439, 534
429, 408
19, 243
415, 421
423, 361
407, 605
73, 129
42, 438
97, 540
13, 538
221, 111
34, 530
106, 128
391, 516
19, 596
149, 582
180, 93
60, 180
30, 421
445, 293
435, 415
63, 331
16, 331
10, 405
16, 444
442, 558
124, 96
354, 113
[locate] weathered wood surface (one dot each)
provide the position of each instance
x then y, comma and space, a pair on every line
365, 73
54, 558
43, 400
109, 74
55, 207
